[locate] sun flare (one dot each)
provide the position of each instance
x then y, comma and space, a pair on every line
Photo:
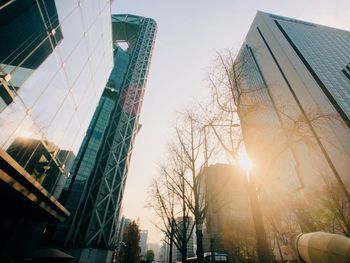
244, 162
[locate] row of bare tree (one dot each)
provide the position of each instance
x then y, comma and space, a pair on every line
176, 193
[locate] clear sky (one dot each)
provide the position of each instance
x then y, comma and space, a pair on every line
189, 34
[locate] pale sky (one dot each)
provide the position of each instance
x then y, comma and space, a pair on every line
189, 34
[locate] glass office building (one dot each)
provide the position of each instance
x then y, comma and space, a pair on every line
326, 54
95, 190
54, 66
300, 73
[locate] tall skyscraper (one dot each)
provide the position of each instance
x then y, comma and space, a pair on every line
54, 66
99, 173
295, 77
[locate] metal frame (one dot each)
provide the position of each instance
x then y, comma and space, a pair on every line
99, 207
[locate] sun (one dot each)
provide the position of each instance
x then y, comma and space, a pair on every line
244, 162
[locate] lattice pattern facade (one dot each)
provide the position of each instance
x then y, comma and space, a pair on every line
96, 213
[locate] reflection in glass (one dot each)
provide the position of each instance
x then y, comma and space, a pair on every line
47, 92
37, 158
32, 31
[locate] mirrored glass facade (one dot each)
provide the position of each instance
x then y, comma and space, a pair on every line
299, 124
54, 65
265, 116
326, 52
55, 60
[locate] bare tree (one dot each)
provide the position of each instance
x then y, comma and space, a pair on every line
186, 155
187, 149
238, 89
163, 203
169, 198
234, 97
330, 209
238, 238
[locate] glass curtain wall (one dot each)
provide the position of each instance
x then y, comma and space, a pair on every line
54, 65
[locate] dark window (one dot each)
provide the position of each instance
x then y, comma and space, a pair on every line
36, 159
5, 91
346, 73
27, 32
96, 135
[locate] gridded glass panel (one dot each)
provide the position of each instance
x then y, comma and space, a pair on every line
72, 71
72, 134
87, 100
48, 96
327, 51
10, 120
266, 120
89, 12
95, 57
35, 86
82, 83
65, 8
29, 28
99, 73
18, 76
53, 98
73, 31
56, 130
104, 3
91, 34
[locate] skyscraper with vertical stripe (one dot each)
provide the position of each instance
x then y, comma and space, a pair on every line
300, 71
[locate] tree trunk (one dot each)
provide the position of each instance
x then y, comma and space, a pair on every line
184, 240
261, 238
279, 247
185, 221
171, 250
127, 254
184, 254
212, 250
199, 252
